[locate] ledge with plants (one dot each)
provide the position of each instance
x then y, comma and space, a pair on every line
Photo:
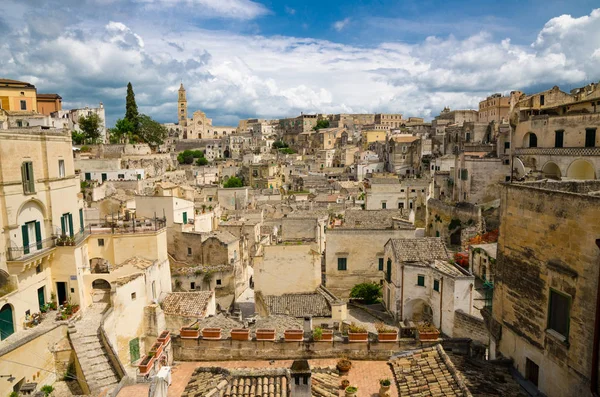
427, 332
322, 335
357, 333
190, 332
386, 334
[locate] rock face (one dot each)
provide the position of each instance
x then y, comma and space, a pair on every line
154, 165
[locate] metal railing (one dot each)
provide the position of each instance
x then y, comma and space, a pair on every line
117, 226
17, 253
67, 240
556, 151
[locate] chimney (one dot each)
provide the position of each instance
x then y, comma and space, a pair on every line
308, 325
301, 380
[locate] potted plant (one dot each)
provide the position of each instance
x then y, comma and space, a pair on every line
191, 332
265, 334
356, 333
164, 337
385, 334
156, 349
293, 335
344, 365
345, 384
240, 334
146, 364
384, 387
320, 334
211, 333
351, 391
428, 332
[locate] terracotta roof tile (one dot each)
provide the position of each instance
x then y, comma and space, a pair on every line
189, 304
426, 249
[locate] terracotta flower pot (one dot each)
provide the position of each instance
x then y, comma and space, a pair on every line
146, 364
156, 349
189, 333
240, 334
387, 336
344, 366
345, 383
430, 335
293, 335
164, 337
358, 336
265, 334
211, 333
327, 335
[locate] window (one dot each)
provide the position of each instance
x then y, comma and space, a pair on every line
590, 137
532, 371
507, 178
100, 242
436, 285
23, 105
120, 176
219, 281
381, 264
66, 224
39, 268
421, 280
189, 251
192, 285
133, 296
72, 290
88, 176
61, 168
383, 205
559, 313
342, 263
559, 138
400, 206
506, 161
542, 100
388, 273
27, 177
532, 140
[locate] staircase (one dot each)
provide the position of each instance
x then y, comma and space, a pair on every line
97, 369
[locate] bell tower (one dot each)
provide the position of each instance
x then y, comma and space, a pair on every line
182, 107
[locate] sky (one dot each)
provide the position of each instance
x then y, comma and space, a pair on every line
277, 58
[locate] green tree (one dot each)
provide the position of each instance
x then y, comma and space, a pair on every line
90, 127
287, 150
122, 132
368, 292
131, 109
321, 124
234, 181
201, 161
279, 144
188, 156
78, 138
151, 132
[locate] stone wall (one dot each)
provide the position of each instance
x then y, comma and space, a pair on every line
440, 217
189, 144
468, 326
547, 241
154, 165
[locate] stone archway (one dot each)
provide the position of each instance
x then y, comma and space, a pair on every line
101, 290
551, 171
581, 169
418, 310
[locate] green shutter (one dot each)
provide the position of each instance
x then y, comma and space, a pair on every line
25, 233
38, 235
70, 224
63, 225
24, 177
185, 218
30, 176
88, 176
81, 225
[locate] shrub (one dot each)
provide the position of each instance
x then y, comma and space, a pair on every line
86, 149
368, 292
318, 333
233, 182
357, 328
351, 389
385, 382
382, 328
47, 389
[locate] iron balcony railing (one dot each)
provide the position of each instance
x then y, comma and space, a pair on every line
556, 151
18, 253
67, 240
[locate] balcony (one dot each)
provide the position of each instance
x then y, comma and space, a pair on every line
115, 226
22, 258
558, 151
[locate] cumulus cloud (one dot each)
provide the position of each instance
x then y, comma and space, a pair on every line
237, 9
340, 25
231, 75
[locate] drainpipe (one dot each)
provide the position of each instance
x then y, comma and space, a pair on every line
441, 300
402, 296
594, 377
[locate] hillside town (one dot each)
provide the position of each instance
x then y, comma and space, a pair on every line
311, 255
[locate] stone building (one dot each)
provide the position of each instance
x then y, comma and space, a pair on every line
402, 154
18, 96
555, 134
495, 108
393, 194
48, 103
544, 314
421, 284
354, 248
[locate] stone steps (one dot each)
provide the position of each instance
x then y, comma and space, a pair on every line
97, 368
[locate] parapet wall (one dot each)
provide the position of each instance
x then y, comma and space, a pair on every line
468, 326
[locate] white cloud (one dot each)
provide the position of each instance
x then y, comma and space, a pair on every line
232, 75
340, 25
290, 10
235, 9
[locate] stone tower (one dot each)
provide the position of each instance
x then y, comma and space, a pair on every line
182, 107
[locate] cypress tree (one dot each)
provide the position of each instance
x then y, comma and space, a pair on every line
131, 110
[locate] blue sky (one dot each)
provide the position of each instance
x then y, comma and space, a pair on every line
270, 58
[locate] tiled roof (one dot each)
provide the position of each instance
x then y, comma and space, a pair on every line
223, 236
299, 305
374, 219
257, 382
189, 304
9, 81
136, 261
448, 268
425, 249
405, 138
